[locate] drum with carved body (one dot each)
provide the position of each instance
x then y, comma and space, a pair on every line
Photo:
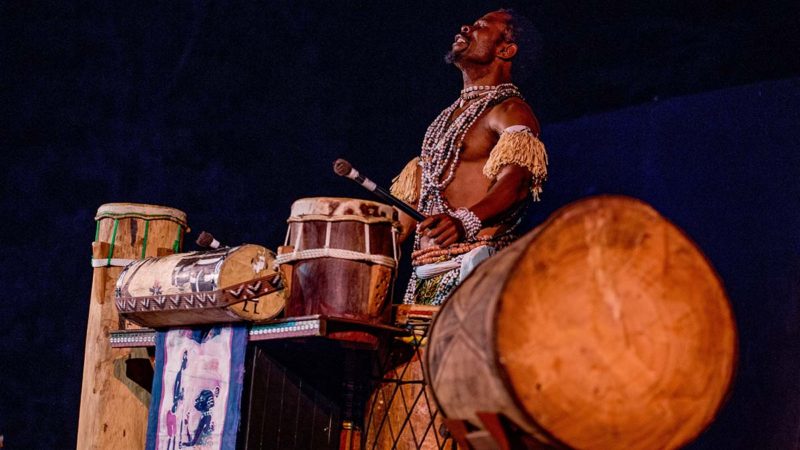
229, 284
401, 413
604, 328
125, 232
340, 258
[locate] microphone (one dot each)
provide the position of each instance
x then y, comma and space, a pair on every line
345, 169
206, 240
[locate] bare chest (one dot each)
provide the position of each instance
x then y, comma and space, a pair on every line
469, 184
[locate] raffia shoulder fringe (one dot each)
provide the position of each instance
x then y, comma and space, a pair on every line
405, 186
523, 149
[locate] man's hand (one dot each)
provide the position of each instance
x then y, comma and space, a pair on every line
443, 229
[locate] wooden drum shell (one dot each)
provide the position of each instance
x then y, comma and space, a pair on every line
334, 286
604, 328
124, 231
399, 414
138, 231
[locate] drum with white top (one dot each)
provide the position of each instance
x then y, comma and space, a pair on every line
340, 258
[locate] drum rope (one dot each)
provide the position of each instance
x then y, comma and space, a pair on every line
129, 215
394, 243
286, 239
366, 237
114, 262
177, 244
328, 234
337, 218
297, 241
144, 243
113, 241
315, 253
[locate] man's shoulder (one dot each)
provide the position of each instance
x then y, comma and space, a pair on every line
513, 103
512, 111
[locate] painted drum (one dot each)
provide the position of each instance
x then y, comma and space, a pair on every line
228, 284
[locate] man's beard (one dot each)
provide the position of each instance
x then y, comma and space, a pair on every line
450, 57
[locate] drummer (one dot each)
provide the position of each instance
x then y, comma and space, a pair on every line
481, 162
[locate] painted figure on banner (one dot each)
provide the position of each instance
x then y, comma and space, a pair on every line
481, 163
177, 398
204, 368
205, 424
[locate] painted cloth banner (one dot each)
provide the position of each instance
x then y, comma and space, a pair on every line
197, 388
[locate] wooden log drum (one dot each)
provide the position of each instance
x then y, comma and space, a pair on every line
604, 328
229, 284
125, 232
340, 258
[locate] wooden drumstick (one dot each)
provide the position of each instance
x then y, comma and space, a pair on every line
345, 169
206, 240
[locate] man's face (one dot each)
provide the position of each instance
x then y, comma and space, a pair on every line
479, 42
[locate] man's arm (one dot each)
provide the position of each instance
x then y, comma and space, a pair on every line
510, 187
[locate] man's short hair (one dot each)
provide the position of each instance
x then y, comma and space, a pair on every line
522, 32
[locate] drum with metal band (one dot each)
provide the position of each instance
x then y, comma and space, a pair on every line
228, 284
340, 258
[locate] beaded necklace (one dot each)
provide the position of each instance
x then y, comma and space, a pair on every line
441, 146
441, 150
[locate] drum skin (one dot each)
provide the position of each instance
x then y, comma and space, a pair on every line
604, 328
334, 286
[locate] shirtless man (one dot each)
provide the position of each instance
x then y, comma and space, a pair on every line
481, 162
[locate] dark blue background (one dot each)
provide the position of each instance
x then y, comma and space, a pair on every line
232, 110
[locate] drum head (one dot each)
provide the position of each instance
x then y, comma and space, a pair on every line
317, 208
140, 210
252, 262
613, 329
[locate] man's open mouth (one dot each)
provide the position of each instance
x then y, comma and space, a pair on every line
459, 41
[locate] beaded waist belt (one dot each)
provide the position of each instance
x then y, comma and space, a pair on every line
436, 254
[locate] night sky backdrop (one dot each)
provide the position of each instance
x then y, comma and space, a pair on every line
230, 111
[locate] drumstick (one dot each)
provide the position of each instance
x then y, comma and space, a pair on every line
345, 169
206, 240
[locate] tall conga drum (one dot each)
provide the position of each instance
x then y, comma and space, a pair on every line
604, 328
113, 411
340, 258
401, 413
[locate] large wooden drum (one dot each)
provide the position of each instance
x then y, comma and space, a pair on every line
229, 284
340, 258
124, 233
604, 328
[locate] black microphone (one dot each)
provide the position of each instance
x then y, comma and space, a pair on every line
345, 169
